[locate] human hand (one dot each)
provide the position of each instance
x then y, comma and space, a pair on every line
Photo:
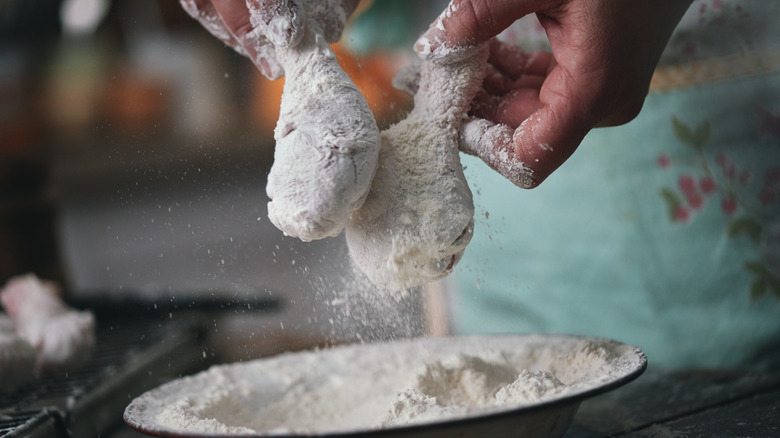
254, 28
537, 107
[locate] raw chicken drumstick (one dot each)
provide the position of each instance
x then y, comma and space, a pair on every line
419, 215
327, 141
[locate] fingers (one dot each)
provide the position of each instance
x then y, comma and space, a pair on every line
528, 133
512, 84
281, 21
546, 139
526, 156
203, 11
493, 143
229, 22
235, 15
510, 109
467, 23
512, 61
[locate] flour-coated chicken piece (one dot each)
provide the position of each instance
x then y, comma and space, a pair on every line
327, 141
419, 215
61, 336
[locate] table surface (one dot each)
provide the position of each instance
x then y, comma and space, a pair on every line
675, 403
666, 403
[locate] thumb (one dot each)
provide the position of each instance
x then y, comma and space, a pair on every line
526, 156
472, 22
548, 137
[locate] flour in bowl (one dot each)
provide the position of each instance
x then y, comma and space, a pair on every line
468, 385
384, 385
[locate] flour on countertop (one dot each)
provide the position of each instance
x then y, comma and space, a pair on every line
373, 386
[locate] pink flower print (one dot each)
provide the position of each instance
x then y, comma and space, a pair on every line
663, 161
707, 185
687, 184
729, 205
682, 214
772, 176
696, 201
727, 166
717, 4
730, 171
689, 189
766, 196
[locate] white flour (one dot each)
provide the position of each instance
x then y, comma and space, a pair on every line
494, 143
374, 386
419, 215
469, 385
327, 141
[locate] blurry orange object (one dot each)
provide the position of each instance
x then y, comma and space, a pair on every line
373, 75
136, 104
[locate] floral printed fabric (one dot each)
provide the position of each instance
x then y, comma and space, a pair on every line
664, 233
748, 201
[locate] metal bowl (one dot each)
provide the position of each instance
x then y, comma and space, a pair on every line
565, 356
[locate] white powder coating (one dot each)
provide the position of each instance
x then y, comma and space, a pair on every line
419, 215
466, 386
493, 143
375, 386
327, 141
62, 336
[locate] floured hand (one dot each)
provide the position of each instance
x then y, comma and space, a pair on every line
254, 27
538, 107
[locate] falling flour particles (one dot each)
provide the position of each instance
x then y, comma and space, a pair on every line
383, 385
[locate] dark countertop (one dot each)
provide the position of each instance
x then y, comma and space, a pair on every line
680, 403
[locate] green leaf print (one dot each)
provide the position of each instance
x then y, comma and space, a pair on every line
744, 226
762, 280
696, 138
757, 289
673, 203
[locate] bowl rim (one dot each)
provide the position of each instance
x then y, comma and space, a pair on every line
571, 401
